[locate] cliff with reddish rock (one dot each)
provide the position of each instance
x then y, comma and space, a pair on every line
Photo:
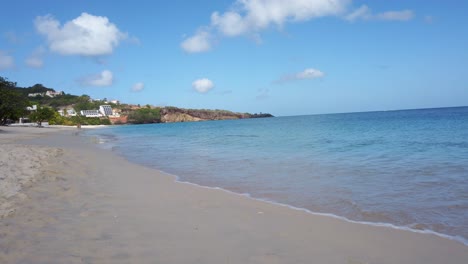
174, 114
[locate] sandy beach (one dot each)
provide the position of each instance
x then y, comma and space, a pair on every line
64, 200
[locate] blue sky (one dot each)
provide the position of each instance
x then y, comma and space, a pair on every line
283, 57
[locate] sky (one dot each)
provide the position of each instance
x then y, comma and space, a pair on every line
292, 57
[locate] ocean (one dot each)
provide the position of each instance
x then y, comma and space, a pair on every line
406, 169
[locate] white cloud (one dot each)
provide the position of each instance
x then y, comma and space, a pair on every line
309, 73
203, 85
105, 78
85, 35
138, 87
248, 17
200, 42
6, 61
230, 23
255, 15
35, 60
365, 13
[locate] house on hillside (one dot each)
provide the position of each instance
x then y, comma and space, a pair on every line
67, 112
53, 93
71, 112
31, 108
105, 110
91, 113
48, 93
35, 94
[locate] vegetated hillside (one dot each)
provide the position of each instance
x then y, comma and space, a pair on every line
37, 88
129, 113
174, 114
60, 100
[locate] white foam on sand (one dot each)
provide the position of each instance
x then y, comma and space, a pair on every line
378, 224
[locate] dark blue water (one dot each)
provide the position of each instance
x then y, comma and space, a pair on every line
406, 168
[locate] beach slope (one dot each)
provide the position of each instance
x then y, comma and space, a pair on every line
81, 204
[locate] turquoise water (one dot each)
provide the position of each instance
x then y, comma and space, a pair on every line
405, 168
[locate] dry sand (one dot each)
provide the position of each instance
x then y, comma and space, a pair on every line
81, 204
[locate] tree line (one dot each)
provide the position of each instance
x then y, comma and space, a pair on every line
14, 102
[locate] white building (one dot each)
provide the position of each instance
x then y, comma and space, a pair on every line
31, 108
115, 113
53, 93
71, 112
35, 94
91, 113
105, 110
115, 102
67, 112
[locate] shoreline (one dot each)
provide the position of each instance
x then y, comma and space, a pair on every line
178, 179
156, 216
342, 218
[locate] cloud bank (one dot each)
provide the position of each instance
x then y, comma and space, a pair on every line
138, 87
250, 17
105, 78
86, 35
203, 85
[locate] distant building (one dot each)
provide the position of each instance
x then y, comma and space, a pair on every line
35, 94
115, 102
105, 110
53, 93
31, 108
91, 113
48, 93
71, 112
67, 112
115, 112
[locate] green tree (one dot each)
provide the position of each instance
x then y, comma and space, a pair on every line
12, 104
42, 114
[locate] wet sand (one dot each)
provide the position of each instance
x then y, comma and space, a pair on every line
82, 204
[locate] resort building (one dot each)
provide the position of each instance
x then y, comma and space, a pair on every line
71, 112
48, 93
67, 112
116, 112
105, 110
91, 113
53, 93
31, 108
35, 94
